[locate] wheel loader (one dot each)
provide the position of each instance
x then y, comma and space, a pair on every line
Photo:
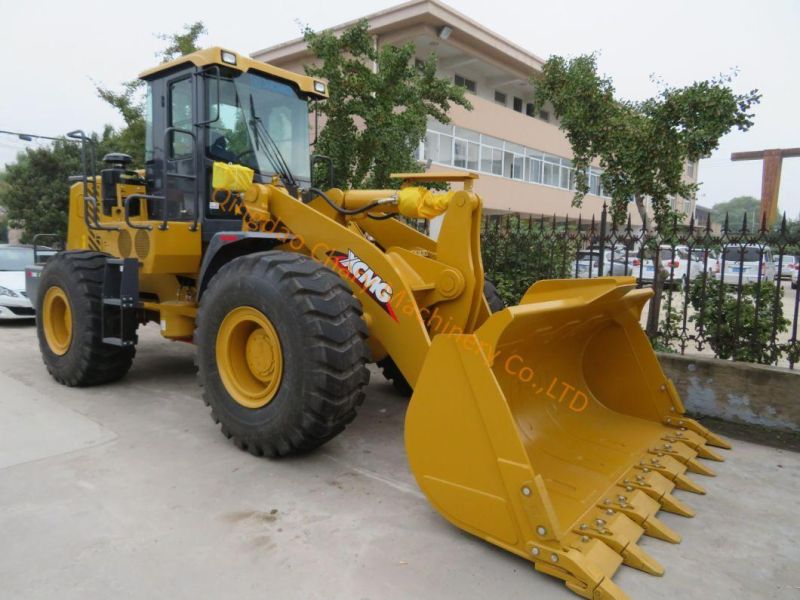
546, 428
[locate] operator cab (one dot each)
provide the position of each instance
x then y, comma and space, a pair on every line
214, 105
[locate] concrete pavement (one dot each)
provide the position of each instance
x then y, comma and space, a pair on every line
130, 491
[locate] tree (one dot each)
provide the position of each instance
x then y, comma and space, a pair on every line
376, 117
736, 325
129, 101
643, 146
37, 192
516, 253
736, 209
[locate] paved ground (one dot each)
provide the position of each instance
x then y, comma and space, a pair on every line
130, 491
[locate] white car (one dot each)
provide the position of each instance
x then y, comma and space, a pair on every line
679, 266
745, 263
787, 268
14, 303
588, 263
706, 259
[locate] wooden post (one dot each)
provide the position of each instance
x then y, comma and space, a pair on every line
772, 161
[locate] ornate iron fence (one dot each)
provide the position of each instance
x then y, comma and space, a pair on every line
728, 291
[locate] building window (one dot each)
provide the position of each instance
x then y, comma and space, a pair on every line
690, 168
544, 115
551, 173
594, 182
513, 161
530, 110
533, 166
500, 97
517, 104
465, 83
467, 149
491, 155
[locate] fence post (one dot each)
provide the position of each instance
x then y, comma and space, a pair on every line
603, 219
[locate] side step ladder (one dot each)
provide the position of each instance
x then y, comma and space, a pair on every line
119, 317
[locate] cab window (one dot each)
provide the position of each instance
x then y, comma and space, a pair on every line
180, 98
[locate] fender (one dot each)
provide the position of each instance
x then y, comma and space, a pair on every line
227, 245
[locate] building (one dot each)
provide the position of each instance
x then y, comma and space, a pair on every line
522, 156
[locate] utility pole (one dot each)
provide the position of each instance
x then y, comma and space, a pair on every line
772, 161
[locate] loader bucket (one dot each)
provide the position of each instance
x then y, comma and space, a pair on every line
552, 432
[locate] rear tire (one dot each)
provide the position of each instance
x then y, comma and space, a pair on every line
390, 369
68, 324
320, 339
496, 303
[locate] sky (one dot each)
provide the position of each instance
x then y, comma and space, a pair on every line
49, 68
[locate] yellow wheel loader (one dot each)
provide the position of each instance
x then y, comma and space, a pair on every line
546, 428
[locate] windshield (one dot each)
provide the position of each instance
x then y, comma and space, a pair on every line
751, 254
15, 259
280, 110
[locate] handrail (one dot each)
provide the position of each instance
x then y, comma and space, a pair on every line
78, 134
36, 239
126, 211
167, 159
97, 226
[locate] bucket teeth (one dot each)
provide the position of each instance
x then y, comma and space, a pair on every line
684, 425
640, 508
656, 528
717, 441
586, 568
608, 590
620, 533
683, 454
706, 452
693, 440
671, 504
696, 467
659, 488
635, 557
665, 465
682, 482
605, 590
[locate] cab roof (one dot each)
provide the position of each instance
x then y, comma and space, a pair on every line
232, 60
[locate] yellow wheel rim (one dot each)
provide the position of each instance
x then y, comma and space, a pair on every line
249, 357
57, 320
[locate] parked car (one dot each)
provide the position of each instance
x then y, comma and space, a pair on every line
588, 262
14, 303
679, 266
788, 266
706, 259
745, 263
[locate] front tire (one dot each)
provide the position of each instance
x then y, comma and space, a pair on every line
68, 322
282, 353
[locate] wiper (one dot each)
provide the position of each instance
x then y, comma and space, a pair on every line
272, 151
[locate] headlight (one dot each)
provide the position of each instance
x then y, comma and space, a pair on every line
319, 87
8, 292
228, 57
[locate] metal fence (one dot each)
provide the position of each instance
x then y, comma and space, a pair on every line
726, 291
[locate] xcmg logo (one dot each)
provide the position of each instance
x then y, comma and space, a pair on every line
372, 283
